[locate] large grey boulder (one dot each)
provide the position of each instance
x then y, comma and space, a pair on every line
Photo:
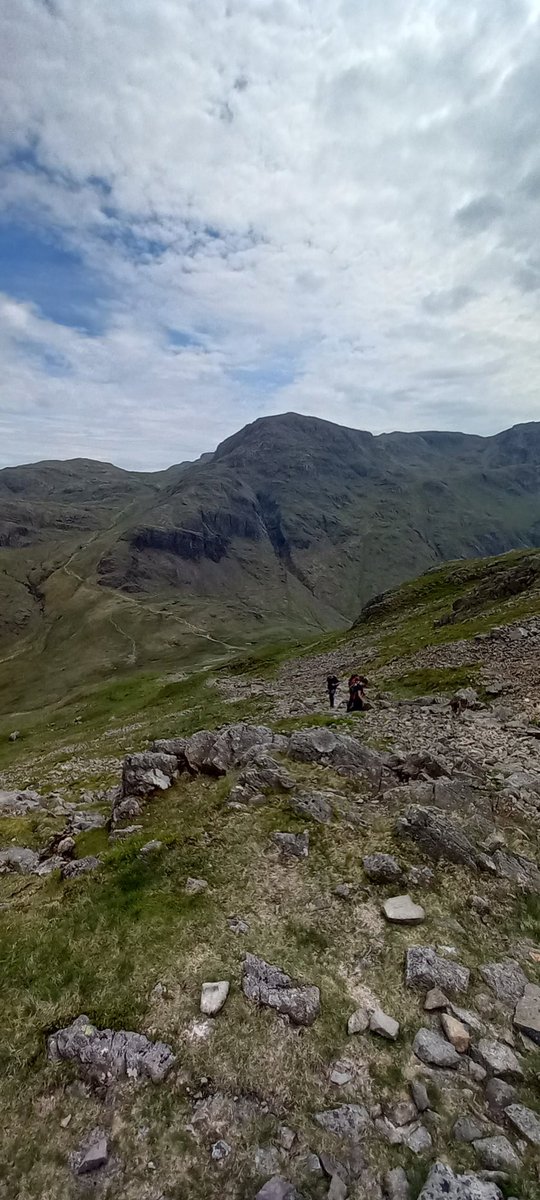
339, 751
349, 1121
527, 1014
434, 1050
424, 968
148, 772
175, 746
442, 1184
214, 752
262, 773
525, 1121
497, 1154
439, 838
80, 866
506, 979
498, 1059
19, 859
269, 986
16, 804
107, 1054
518, 869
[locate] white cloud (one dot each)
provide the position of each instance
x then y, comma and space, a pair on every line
330, 203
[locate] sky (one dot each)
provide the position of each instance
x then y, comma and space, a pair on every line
216, 210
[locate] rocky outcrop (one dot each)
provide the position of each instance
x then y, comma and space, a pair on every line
106, 1054
344, 754
268, 985
148, 772
439, 838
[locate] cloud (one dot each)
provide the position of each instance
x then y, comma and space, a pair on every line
199, 237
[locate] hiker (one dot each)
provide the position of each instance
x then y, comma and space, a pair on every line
331, 686
356, 693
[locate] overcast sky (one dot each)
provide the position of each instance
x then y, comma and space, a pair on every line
213, 210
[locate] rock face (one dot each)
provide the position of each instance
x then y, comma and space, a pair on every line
434, 1050
268, 985
262, 773
106, 1054
214, 752
424, 968
338, 750
149, 772
438, 837
527, 1014
382, 868
401, 910
16, 804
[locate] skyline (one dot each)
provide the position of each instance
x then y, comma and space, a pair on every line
207, 217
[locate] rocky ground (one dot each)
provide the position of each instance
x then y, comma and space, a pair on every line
291, 958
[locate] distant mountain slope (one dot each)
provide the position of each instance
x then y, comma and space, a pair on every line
288, 528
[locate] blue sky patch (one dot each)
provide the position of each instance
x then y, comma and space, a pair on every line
34, 268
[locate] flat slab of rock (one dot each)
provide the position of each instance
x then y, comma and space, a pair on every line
442, 1184
498, 1059
316, 805
385, 1026
434, 1050
382, 868
401, 910
506, 979
424, 968
527, 1014
268, 985
213, 997
92, 1155
349, 1121
525, 1121
497, 1154
107, 1054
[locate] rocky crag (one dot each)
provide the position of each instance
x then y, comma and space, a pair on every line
294, 955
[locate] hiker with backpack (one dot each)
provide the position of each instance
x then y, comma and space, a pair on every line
357, 695
332, 684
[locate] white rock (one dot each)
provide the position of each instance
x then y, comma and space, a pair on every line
213, 997
384, 1025
402, 910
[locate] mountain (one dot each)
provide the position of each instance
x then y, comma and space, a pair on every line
288, 528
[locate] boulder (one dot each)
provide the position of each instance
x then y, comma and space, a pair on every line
214, 752
80, 866
401, 910
92, 1154
148, 772
498, 1096
438, 837
435, 1000
525, 1121
349, 1121
16, 804
292, 845
339, 751
107, 1054
396, 1184
467, 1129
498, 1059
506, 979
277, 1188
268, 985
434, 1050
527, 1013
424, 968
384, 1025
19, 859
175, 746
419, 1095
419, 1140
382, 868
262, 773
497, 1154
456, 1033
442, 1184
213, 997
358, 1022
316, 805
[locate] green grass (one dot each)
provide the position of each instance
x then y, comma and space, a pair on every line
430, 680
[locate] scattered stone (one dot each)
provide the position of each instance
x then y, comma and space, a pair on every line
525, 1121
66, 1121
119, 835
456, 1033
337, 1189
93, 1155
424, 968
434, 1050
419, 1095
220, 1150
151, 847
341, 1074
267, 1160
480, 905
498, 1059
527, 1014
396, 1184
382, 868
420, 877
497, 1154
194, 887
468, 1018
384, 1025
466, 1129
404, 1113
109, 1054
15, 735
287, 1137
17, 804
292, 845
435, 1000
313, 1164
344, 891
348, 1121
498, 1096
401, 910
506, 979
442, 1184
213, 997
358, 1022
315, 805
277, 1188
420, 1140
268, 985
237, 925
80, 866
476, 1071
66, 847
19, 859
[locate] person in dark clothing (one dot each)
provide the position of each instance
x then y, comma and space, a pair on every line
356, 694
332, 686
